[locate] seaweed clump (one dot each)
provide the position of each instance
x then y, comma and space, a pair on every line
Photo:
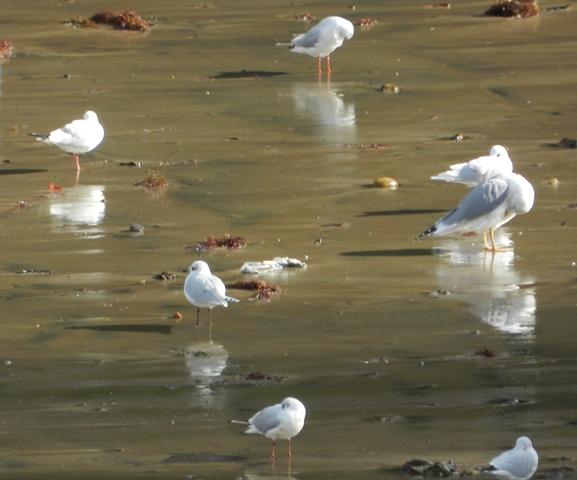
121, 20
264, 291
231, 243
6, 49
514, 8
153, 179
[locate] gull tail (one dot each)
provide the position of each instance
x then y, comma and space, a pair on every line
41, 137
284, 44
239, 422
426, 233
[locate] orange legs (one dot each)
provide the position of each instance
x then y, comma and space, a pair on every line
77, 160
319, 66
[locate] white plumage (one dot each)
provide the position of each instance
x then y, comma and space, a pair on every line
282, 421
479, 169
519, 463
489, 205
205, 290
323, 39
77, 137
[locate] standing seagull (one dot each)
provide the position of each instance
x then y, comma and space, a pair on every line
488, 206
479, 169
281, 421
205, 290
519, 463
76, 137
323, 39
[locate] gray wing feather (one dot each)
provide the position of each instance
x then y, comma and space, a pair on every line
266, 419
309, 39
481, 200
518, 463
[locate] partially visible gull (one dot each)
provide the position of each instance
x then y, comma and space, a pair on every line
519, 463
479, 169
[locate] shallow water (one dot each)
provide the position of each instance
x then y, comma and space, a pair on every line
99, 380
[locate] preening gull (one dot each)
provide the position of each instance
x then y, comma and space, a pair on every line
475, 171
323, 39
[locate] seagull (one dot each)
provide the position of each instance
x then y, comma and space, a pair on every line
489, 205
323, 39
475, 171
205, 290
79, 136
281, 421
519, 463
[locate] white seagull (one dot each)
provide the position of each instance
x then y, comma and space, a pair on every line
475, 171
323, 39
281, 421
205, 290
519, 463
77, 137
489, 205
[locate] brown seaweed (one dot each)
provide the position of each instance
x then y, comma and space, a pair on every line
264, 290
513, 8
229, 242
6, 49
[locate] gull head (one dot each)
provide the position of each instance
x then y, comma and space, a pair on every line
90, 116
499, 151
293, 404
523, 443
346, 28
199, 268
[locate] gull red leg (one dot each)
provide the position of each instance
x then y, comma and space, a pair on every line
289, 454
319, 69
328, 64
273, 453
197, 316
77, 160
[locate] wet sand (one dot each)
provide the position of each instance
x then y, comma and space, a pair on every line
378, 336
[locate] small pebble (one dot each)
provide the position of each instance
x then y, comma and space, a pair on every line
136, 228
386, 182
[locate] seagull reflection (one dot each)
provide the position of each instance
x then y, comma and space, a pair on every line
495, 291
78, 205
250, 475
333, 120
205, 362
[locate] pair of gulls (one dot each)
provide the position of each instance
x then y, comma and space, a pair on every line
285, 420
85, 134
498, 194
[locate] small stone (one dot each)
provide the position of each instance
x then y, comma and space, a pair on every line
386, 182
8, 363
67, 76
390, 88
554, 181
136, 228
